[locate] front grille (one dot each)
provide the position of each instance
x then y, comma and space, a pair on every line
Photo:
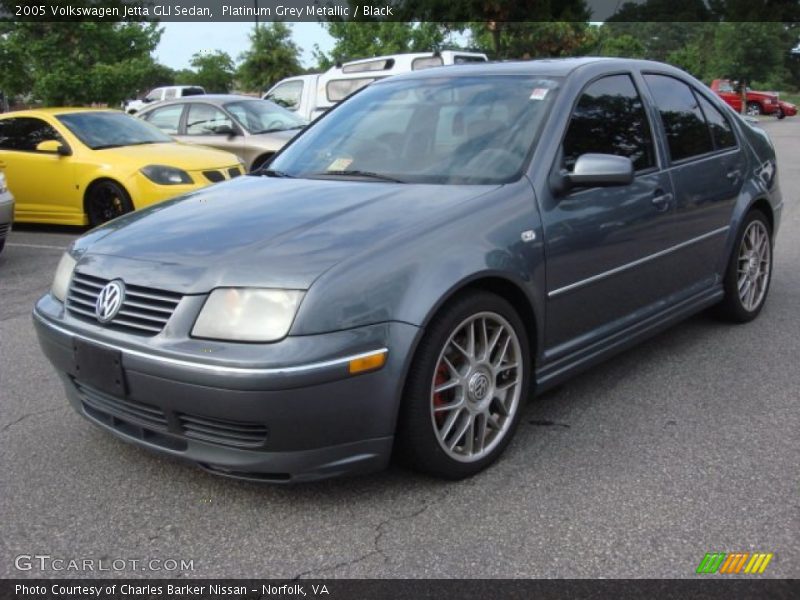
144, 310
223, 432
4, 229
234, 172
214, 176
136, 412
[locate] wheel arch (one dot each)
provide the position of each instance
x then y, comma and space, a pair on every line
94, 183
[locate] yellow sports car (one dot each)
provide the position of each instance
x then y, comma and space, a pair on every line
75, 166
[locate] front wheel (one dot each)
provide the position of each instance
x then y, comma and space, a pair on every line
753, 109
466, 387
780, 114
749, 270
107, 200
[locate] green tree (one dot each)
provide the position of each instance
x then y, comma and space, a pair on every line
624, 46
747, 51
214, 71
363, 39
77, 62
533, 40
271, 57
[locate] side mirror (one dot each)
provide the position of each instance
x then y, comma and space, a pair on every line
53, 147
597, 170
225, 130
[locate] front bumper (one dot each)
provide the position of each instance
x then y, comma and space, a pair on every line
255, 419
6, 214
145, 192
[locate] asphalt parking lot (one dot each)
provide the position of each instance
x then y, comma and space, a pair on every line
686, 445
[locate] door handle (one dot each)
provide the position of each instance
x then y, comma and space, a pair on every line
662, 201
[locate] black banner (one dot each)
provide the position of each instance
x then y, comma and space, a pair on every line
397, 589
447, 11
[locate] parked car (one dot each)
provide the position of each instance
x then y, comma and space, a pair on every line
74, 166
252, 129
786, 109
6, 211
312, 95
160, 94
413, 266
758, 103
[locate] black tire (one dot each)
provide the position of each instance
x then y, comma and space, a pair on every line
106, 200
754, 109
733, 307
417, 443
2, 245
780, 114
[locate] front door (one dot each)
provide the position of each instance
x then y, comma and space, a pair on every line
607, 249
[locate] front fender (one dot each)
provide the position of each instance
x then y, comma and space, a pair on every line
408, 277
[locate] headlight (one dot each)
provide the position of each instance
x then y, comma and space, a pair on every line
63, 274
247, 314
166, 175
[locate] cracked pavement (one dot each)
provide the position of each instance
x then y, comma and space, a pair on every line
685, 445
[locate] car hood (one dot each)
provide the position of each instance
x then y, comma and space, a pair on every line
185, 156
263, 232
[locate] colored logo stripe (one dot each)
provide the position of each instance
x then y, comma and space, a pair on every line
732, 563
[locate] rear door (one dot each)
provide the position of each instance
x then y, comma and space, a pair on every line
608, 261
707, 167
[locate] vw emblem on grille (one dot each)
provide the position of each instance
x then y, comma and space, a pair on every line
109, 301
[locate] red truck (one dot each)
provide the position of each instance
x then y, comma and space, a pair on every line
758, 103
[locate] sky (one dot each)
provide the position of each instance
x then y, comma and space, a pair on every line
181, 40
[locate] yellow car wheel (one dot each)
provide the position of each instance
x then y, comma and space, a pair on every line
106, 200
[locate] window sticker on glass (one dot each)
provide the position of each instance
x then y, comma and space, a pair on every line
340, 164
539, 93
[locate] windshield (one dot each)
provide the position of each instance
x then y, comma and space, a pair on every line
99, 130
263, 116
449, 130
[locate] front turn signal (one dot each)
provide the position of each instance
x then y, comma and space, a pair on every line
368, 362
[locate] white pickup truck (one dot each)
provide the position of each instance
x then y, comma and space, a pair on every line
162, 93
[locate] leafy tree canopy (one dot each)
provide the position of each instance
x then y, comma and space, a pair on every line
271, 57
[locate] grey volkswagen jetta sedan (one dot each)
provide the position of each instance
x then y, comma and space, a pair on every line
413, 266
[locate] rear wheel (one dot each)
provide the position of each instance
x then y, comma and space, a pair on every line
465, 388
749, 270
106, 200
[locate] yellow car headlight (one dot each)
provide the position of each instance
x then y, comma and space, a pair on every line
164, 175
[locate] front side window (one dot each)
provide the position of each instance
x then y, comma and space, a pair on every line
262, 116
167, 118
610, 119
204, 119
25, 133
287, 94
445, 130
684, 124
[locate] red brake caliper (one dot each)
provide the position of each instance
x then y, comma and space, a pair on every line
442, 376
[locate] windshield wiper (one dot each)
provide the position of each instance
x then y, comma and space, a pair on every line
274, 129
356, 173
107, 146
271, 173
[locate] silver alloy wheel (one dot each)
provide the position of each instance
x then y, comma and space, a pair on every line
753, 109
476, 387
753, 265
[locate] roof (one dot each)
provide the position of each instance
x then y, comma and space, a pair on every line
215, 99
57, 110
554, 67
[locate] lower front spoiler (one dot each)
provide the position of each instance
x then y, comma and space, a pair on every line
355, 458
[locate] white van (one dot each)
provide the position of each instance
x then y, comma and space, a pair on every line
311, 95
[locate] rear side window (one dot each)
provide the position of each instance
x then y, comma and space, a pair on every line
687, 132
339, 89
25, 133
721, 130
610, 119
167, 118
